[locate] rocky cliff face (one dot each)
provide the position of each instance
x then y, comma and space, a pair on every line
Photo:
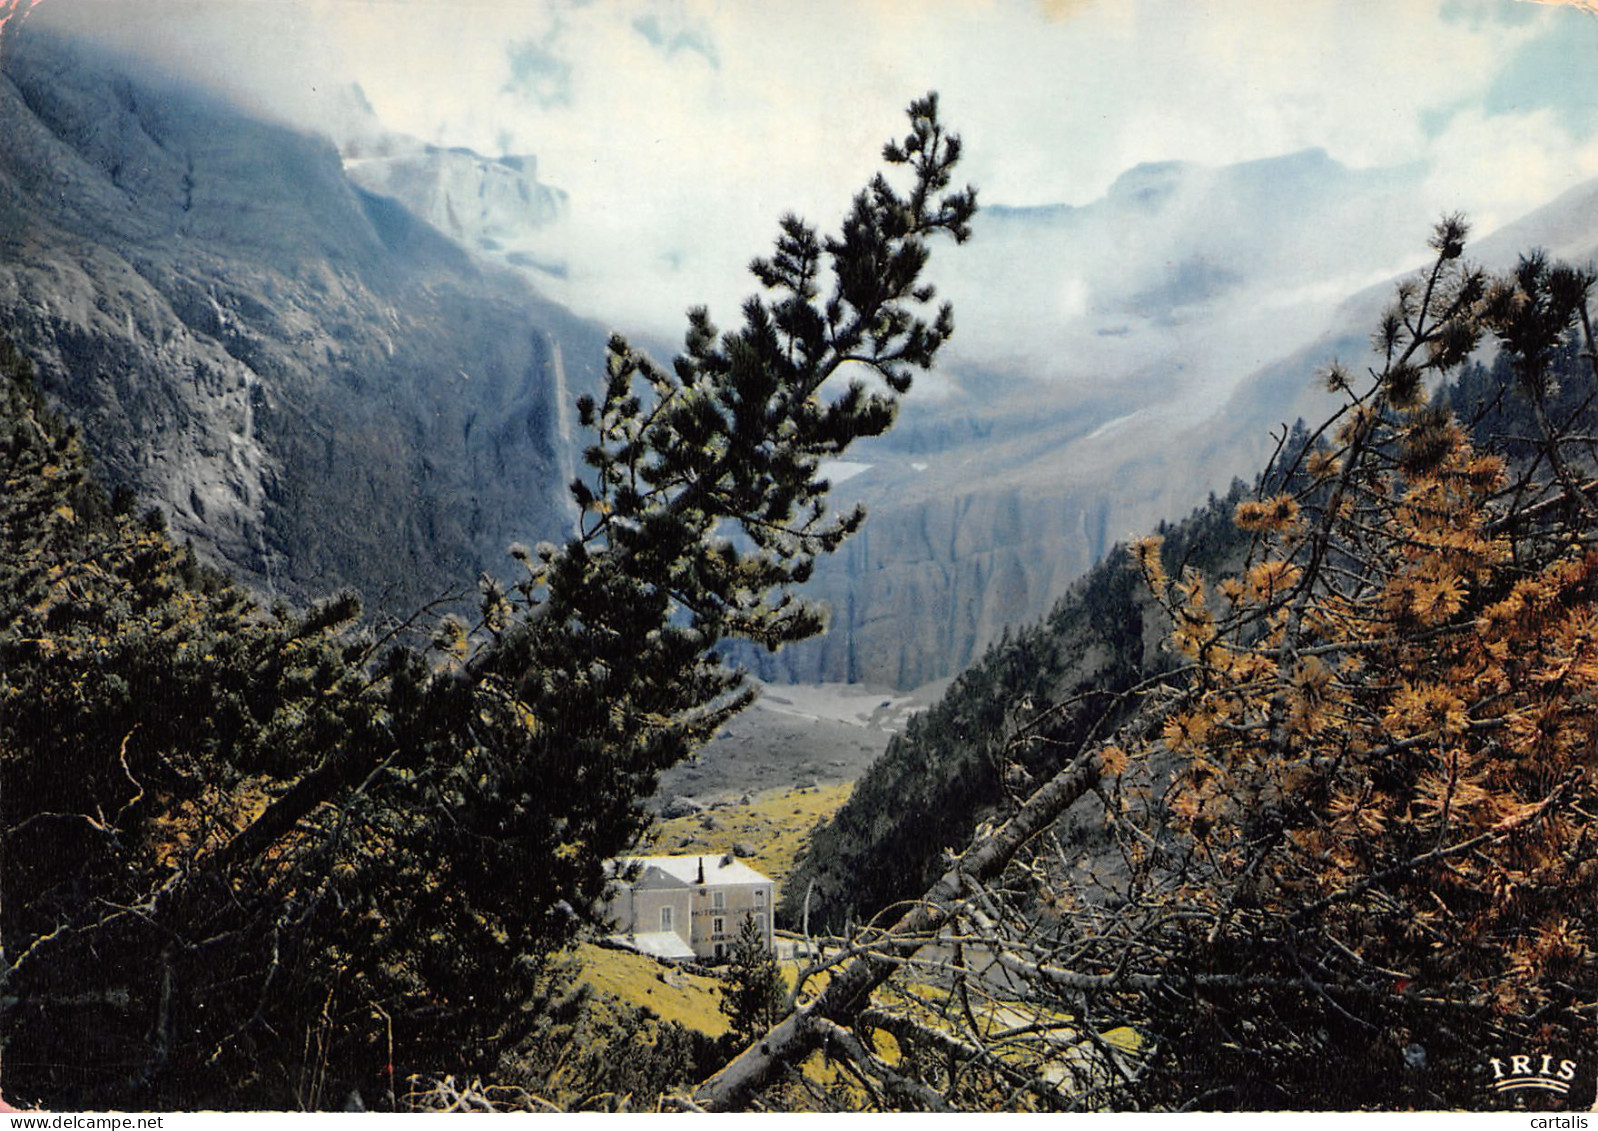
931, 581
318, 388
981, 517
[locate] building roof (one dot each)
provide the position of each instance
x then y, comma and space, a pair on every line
685, 871
657, 944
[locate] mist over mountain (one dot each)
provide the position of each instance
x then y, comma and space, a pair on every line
316, 386
1095, 348
497, 208
1285, 389
1174, 260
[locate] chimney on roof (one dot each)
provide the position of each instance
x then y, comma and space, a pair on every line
726, 861
701, 869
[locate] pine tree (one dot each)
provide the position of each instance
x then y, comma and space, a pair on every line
1385, 851
752, 1000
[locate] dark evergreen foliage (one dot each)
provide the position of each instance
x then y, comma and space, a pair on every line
752, 1000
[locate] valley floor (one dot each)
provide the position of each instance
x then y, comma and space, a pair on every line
796, 734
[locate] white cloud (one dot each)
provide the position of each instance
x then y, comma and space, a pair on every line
1495, 168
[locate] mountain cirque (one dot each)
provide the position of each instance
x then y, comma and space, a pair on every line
285, 345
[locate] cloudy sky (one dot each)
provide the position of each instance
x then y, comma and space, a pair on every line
681, 129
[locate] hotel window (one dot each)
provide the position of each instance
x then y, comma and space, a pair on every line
718, 899
760, 923
665, 919
718, 926
760, 897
